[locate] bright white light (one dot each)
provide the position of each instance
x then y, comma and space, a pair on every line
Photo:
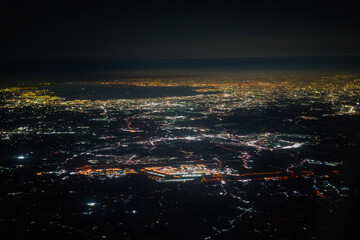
134, 211
21, 157
296, 145
91, 204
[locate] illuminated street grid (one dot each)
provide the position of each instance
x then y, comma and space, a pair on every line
216, 136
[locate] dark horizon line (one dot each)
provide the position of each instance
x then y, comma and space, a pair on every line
140, 58
110, 65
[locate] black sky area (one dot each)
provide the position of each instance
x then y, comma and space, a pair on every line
42, 30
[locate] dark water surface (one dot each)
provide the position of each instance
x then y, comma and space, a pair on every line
116, 91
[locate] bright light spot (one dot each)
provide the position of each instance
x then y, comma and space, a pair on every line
21, 157
296, 145
134, 211
91, 204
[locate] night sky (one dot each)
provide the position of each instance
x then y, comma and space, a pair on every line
41, 30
